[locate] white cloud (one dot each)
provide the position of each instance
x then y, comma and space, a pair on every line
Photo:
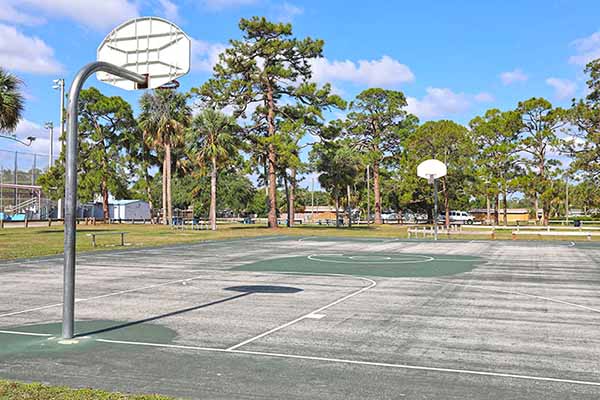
484, 97
99, 15
563, 88
205, 55
384, 72
169, 10
438, 102
510, 77
223, 4
19, 52
587, 48
287, 11
11, 14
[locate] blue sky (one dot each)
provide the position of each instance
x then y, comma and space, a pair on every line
452, 59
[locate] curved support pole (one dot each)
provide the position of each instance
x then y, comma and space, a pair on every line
71, 182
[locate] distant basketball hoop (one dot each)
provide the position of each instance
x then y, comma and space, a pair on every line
432, 170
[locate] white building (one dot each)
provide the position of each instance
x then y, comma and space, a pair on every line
129, 210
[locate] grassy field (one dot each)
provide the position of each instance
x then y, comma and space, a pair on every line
32, 242
46, 241
34, 391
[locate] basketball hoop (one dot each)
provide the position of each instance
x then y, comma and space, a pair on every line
142, 53
432, 170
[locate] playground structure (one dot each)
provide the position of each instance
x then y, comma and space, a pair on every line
21, 197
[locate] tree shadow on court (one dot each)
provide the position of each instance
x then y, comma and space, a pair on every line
245, 291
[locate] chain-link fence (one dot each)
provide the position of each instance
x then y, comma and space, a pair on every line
20, 194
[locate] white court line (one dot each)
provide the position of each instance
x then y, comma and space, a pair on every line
104, 295
357, 362
483, 288
25, 333
315, 257
317, 311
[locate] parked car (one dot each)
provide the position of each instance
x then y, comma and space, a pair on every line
458, 217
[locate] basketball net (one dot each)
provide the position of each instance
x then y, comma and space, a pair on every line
431, 179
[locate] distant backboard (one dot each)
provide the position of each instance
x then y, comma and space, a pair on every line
148, 46
431, 169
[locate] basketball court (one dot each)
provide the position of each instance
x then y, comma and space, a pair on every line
288, 317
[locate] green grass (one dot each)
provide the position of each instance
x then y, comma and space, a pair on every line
10, 390
48, 241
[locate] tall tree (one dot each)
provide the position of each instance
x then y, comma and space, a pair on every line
212, 142
267, 68
107, 133
378, 124
539, 138
165, 115
584, 146
496, 135
452, 144
337, 163
11, 101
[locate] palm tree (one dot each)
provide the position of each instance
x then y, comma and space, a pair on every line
165, 116
11, 101
212, 141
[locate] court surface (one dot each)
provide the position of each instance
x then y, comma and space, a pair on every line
308, 318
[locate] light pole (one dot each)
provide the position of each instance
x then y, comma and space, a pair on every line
50, 127
30, 139
59, 84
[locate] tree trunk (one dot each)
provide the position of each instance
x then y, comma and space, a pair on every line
446, 204
292, 198
105, 211
149, 194
272, 217
487, 203
536, 206
337, 210
287, 198
169, 194
377, 193
145, 163
212, 213
165, 221
349, 207
496, 208
505, 204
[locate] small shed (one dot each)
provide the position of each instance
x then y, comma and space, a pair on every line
129, 210
513, 215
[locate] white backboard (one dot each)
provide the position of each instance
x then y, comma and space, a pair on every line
431, 169
148, 46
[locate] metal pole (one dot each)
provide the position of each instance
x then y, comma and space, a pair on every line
368, 196
62, 106
71, 184
50, 127
15, 179
435, 209
33, 169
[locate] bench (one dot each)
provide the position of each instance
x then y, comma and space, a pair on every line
93, 236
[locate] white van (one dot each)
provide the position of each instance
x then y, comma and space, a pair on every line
458, 217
